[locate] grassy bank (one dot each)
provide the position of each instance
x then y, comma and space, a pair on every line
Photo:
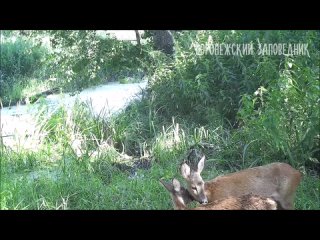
240, 111
33, 62
97, 174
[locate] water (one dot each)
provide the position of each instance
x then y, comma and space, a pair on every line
18, 123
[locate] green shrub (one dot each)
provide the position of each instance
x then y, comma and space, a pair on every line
212, 81
285, 116
20, 57
21, 60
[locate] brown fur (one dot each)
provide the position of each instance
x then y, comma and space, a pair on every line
181, 197
244, 202
276, 180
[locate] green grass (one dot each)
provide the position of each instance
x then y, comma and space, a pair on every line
54, 177
193, 102
78, 189
24, 89
308, 193
13, 94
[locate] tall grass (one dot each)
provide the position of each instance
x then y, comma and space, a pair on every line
21, 60
102, 177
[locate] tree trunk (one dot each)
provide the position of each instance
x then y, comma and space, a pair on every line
163, 41
137, 37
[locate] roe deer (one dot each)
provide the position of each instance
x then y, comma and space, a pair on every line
181, 197
276, 180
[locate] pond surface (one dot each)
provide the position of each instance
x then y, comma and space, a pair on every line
18, 123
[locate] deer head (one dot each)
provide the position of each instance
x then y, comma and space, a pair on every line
195, 181
180, 195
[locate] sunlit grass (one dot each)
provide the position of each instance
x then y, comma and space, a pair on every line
56, 177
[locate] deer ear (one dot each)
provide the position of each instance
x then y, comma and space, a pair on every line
176, 185
185, 171
168, 186
201, 164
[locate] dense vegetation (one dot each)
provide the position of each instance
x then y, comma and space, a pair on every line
239, 110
